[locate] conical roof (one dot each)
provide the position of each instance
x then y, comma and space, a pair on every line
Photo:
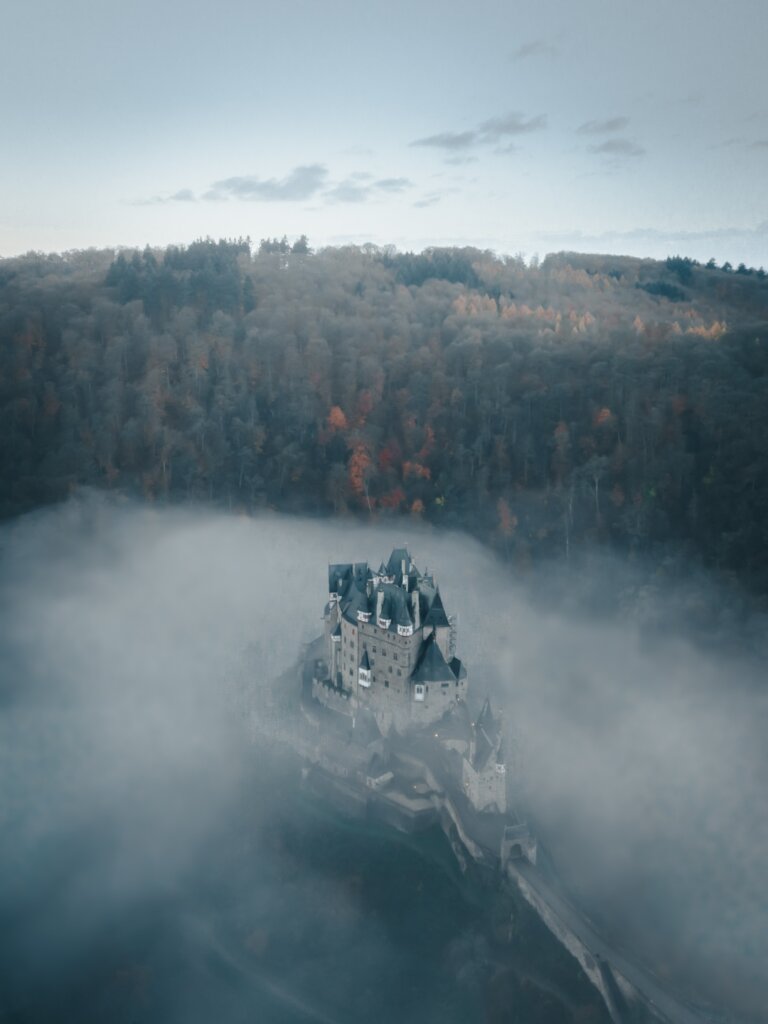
364, 662
396, 559
436, 615
432, 666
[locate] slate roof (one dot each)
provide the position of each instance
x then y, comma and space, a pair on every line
394, 565
364, 662
436, 615
354, 601
338, 575
432, 666
457, 667
487, 736
455, 724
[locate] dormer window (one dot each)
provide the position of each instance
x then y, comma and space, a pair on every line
418, 692
403, 630
363, 616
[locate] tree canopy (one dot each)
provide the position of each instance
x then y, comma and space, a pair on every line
584, 399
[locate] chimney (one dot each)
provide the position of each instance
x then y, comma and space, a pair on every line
416, 605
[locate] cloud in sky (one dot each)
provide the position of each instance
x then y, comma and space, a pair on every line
393, 184
488, 132
357, 189
496, 129
610, 124
448, 140
429, 200
619, 148
535, 48
302, 182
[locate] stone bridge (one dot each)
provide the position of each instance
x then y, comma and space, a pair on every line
626, 987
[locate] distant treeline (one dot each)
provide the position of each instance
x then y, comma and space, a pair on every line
586, 398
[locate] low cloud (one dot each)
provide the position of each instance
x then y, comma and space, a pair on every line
535, 48
358, 188
497, 129
619, 148
302, 183
493, 131
606, 127
184, 195
448, 140
460, 161
348, 192
393, 184
427, 201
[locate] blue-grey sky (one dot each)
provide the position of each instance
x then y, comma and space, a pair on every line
603, 125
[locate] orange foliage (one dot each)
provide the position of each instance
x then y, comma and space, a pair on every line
359, 461
603, 417
417, 507
393, 499
336, 418
389, 454
365, 404
429, 440
417, 470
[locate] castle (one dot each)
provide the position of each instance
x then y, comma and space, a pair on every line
390, 660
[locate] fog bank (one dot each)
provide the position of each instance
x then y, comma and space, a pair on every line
124, 760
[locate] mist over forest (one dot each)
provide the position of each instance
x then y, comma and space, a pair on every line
158, 862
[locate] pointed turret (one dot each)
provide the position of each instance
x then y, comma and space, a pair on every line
436, 615
432, 666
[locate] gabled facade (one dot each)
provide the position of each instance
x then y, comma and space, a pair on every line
389, 645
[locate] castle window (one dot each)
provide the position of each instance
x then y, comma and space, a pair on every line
386, 683
399, 672
396, 657
390, 670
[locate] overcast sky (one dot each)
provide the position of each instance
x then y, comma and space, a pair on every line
606, 125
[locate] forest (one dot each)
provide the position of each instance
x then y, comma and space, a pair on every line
543, 406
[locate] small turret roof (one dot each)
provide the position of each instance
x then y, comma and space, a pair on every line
487, 721
432, 666
364, 662
395, 563
487, 736
457, 667
436, 615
